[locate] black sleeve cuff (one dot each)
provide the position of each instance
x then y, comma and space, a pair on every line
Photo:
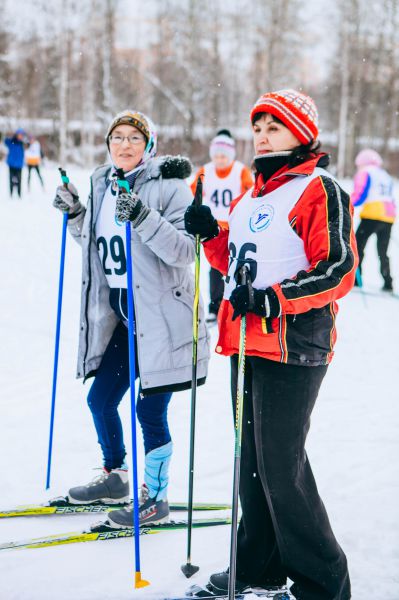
272, 303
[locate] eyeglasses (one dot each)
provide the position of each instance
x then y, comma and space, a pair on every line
116, 140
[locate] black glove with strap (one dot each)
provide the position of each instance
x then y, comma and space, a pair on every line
199, 220
264, 303
129, 207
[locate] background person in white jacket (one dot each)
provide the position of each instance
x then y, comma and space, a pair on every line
162, 253
33, 159
225, 178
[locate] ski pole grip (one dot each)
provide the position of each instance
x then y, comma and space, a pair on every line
64, 176
243, 278
121, 181
198, 192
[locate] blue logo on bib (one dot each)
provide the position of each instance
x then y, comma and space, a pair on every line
261, 218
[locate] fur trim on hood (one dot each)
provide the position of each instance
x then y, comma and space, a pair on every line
169, 167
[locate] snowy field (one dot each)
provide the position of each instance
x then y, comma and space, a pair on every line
353, 444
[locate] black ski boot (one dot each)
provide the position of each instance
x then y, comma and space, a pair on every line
219, 584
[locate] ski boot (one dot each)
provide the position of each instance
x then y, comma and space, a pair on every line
218, 585
110, 487
153, 505
151, 512
387, 287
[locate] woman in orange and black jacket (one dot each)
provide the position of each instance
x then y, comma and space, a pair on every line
294, 232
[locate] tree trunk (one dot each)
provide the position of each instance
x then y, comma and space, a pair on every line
63, 84
344, 99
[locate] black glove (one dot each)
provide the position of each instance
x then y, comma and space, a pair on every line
264, 303
199, 220
129, 207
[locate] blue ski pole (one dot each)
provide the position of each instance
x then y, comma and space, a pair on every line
138, 581
65, 181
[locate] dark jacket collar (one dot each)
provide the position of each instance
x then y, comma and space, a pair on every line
306, 168
286, 173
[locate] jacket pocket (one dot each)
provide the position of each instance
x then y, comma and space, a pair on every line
177, 310
309, 333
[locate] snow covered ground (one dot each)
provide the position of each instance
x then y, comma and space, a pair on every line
353, 444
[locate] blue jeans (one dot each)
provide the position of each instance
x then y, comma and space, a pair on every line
108, 388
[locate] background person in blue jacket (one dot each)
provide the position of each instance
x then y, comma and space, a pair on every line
15, 159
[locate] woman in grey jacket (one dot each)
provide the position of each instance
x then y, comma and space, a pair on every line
162, 253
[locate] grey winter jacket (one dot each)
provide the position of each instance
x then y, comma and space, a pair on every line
162, 255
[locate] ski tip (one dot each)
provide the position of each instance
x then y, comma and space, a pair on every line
189, 570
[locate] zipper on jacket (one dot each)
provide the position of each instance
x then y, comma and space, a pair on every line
89, 280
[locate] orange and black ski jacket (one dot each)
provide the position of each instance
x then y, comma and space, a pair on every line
305, 332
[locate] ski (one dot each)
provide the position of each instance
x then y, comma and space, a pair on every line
100, 532
62, 506
203, 593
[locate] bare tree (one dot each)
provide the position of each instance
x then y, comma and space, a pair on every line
276, 29
107, 53
5, 70
344, 96
198, 65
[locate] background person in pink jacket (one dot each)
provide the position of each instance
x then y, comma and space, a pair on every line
373, 191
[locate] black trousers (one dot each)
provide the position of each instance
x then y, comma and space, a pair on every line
37, 169
216, 289
284, 530
383, 232
15, 180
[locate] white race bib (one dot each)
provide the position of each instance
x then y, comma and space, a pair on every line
220, 191
111, 242
261, 236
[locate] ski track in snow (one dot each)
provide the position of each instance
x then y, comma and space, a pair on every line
353, 442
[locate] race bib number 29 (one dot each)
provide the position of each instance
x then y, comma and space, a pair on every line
113, 256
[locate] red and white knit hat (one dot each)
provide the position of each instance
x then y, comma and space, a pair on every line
297, 111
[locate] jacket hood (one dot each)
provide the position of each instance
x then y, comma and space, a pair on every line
169, 167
